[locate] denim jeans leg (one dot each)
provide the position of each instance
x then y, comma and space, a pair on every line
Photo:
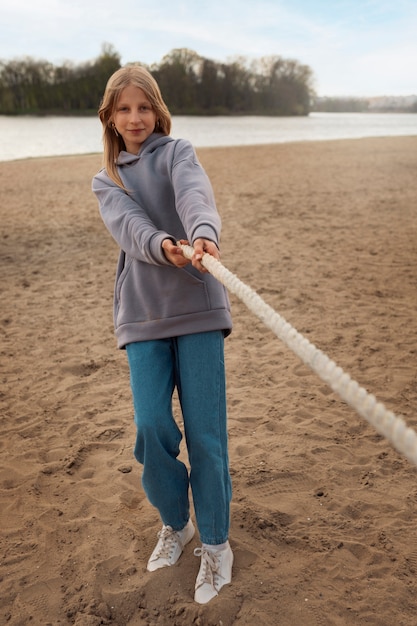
164, 478
201, 389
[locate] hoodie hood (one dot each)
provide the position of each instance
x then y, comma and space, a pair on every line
149, 145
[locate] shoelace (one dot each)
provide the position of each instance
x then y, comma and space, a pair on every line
168, 538
209, 567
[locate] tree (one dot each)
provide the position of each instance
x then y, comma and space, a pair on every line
178, 76
284, 86
190, 84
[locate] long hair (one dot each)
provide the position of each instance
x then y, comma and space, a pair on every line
138, 76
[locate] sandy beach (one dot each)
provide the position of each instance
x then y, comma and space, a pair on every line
324, 510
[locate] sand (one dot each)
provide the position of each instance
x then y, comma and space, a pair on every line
324, 510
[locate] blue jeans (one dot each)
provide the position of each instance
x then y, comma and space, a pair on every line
194, 364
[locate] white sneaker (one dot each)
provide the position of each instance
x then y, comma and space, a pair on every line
170, 545
215, 571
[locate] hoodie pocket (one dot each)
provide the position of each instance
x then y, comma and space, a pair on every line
150, 293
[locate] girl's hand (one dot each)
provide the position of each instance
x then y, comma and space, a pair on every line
174, 253
201, 246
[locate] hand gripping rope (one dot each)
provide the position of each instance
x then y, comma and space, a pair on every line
393, 428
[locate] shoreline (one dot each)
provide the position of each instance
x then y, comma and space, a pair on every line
83, 135
227, 147
323, 514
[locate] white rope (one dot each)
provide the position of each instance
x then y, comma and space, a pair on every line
394, 428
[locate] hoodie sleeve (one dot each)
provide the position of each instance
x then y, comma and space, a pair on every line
128, 223
194, 196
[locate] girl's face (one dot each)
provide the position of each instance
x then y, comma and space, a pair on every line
134, 118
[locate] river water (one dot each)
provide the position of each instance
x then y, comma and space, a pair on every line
28, 136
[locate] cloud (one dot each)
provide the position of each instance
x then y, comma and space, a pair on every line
357, 47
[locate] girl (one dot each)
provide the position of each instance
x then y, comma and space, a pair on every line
171, 316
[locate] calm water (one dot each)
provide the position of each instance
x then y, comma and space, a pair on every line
23, 137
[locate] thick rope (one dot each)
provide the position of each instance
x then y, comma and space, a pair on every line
393, 428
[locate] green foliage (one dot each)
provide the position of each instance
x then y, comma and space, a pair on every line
190, 84
31, 86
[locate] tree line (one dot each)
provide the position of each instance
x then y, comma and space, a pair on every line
383, 104
190, 84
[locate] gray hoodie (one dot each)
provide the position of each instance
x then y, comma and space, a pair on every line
169, 196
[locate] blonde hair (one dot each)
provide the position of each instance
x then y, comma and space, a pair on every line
138, 76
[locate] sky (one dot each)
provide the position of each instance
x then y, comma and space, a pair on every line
357, 48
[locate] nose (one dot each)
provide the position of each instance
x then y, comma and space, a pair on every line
135, 117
